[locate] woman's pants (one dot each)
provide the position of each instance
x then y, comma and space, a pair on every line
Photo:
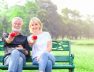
45, 62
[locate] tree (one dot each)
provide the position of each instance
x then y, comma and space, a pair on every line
50, 18
71, 20
3, 16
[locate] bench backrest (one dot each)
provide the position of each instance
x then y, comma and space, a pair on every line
64, 51
61, 50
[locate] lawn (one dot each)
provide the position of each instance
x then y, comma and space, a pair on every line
84, 60
83, 51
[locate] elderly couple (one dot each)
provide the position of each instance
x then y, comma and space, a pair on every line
17, 46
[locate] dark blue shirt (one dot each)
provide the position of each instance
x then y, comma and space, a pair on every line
18, 40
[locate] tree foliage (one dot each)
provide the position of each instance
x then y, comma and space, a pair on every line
70, 24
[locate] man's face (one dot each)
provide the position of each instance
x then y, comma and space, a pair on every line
17, 25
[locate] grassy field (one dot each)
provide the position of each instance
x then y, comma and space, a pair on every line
83, 51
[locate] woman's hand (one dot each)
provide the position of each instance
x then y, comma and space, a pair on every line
33, 40
38, 57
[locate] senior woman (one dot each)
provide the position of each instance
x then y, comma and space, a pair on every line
41, 43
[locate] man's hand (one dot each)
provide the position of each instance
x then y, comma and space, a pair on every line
13, 34
20, 48
11, 37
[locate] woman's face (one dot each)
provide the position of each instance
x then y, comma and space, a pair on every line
35, 26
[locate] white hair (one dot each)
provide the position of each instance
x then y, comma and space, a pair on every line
13, 20
17, 18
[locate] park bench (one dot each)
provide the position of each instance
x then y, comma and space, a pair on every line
61, 50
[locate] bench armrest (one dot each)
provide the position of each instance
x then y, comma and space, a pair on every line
72, 55
71, 59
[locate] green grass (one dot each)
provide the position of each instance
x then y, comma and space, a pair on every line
83, 51
83, 42
84, 60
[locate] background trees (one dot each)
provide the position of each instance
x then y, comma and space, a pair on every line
69, 24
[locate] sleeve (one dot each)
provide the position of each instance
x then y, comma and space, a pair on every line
48, 36
29, 38
4, 36
27, 47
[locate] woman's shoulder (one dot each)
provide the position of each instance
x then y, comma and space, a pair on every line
45, 32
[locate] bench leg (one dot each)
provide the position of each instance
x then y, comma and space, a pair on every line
71, 70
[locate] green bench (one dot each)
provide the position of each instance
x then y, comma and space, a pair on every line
61, 50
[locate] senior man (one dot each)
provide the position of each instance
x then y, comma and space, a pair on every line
16, 47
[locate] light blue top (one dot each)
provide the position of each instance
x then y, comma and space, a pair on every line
40, 45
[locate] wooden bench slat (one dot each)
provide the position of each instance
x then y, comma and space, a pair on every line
61, 45
1, 58
35, 67
58, 59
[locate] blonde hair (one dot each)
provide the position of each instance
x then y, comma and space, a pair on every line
35, 19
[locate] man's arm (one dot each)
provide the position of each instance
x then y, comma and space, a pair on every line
8, 38
23, 50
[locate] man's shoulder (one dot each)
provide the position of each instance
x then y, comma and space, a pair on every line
21, 35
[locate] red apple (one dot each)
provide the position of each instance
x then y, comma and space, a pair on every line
34, 37
13, 34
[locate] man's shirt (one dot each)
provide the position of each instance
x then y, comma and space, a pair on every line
18, 40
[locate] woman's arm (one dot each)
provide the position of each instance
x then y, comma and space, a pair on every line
49, 42
31, 40
48, 49
49, 46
